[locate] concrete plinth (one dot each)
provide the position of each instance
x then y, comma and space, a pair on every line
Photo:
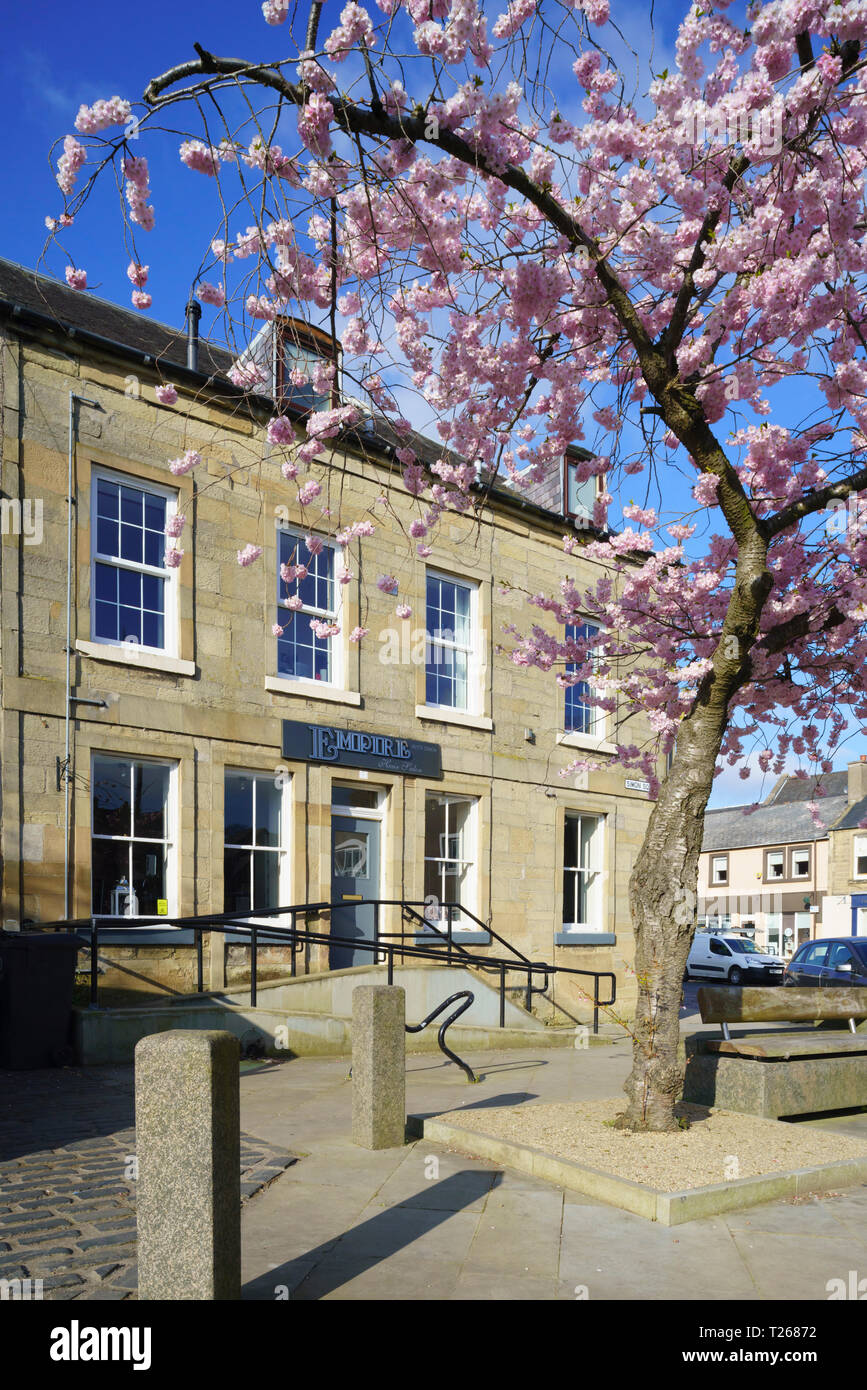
378, 1066
188, 1197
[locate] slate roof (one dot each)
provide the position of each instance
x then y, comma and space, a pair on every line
123, 327
790, 789
853, 816
787, 824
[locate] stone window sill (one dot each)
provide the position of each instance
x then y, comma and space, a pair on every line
127, 655
312, 690
443, 715
579, 938
587, 742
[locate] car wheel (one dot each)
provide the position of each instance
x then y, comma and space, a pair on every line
735, 975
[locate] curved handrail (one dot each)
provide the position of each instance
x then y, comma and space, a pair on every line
468, 998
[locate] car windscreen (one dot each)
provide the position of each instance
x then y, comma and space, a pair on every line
746, 948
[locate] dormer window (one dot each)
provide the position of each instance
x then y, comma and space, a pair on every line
300, 350
579, 497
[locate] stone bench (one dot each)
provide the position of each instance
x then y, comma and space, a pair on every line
779, 1073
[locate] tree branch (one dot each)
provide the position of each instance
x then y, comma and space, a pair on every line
814, 502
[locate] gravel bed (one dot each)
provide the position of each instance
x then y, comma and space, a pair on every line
718, 1146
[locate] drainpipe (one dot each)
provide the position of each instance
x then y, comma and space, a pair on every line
194, 313
70, 507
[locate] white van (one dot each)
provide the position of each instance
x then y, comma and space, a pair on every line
731, 959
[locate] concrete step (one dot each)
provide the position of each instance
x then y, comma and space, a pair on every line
109, 1036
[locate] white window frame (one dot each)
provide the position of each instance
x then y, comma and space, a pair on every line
475, 694
858, 841
284, 867
771, 856
596, 871
469, 858
170, 842
336, 644
170, 576
804, 855
716, 860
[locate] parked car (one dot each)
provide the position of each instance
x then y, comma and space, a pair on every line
732, 959
835, 960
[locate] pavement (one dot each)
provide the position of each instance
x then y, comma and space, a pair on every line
418, 1222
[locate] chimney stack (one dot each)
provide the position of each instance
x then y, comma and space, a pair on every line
856, 788
194, 313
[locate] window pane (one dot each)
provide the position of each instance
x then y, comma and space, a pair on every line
110, 867
151, 800
107, 499
131, 543
266, 879
111, 797
268, 803
236, 881
570, 849
107, 534
362, 797
580, 497
148, 877
238, 810
589, 842
434, 827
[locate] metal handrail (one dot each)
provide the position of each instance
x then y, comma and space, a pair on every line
468, 998
261, 933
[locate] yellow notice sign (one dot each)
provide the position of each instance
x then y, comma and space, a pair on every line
162, 907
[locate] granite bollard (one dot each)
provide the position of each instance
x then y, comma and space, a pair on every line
378, 1066
188, 1146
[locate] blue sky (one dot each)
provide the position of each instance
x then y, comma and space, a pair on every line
47, 68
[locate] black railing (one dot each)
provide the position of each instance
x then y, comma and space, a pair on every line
468, 997
447, 949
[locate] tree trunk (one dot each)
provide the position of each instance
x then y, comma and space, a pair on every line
663, 883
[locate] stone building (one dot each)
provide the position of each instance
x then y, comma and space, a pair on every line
164, 754
783, 873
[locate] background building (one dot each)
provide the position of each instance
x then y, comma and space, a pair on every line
795, 868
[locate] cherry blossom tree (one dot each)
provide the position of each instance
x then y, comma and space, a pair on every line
673, 275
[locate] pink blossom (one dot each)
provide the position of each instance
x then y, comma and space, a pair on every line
203, 158
190, 460
173, 557
69, 163
322, 629
76, 279
358, 633
91, 119
417, 529
249, 554
314, 544
294, 603
387, 584
141, 299
137, 274
175, 525
403, 610
167, 394
211, 294
276, 630
280, 430
308, 491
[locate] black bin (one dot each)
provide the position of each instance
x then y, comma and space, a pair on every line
37, 974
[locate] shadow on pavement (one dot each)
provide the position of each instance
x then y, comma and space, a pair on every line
333, 1263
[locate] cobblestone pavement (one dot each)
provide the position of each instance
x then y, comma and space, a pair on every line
67, 1180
